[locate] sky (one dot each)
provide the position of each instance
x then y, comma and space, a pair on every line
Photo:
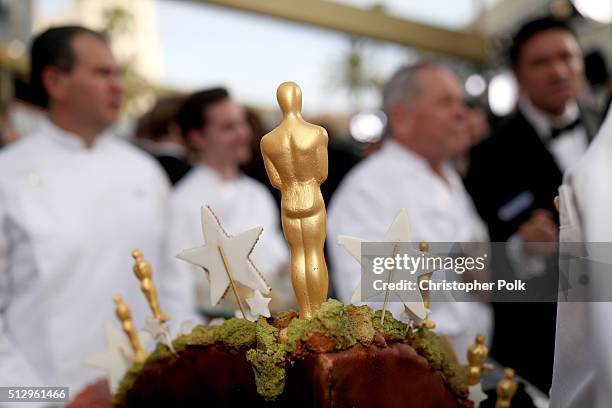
204, 45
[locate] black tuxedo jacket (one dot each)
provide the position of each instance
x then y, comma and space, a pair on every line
176, 168
511, 174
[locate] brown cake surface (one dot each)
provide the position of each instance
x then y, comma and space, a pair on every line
390, 376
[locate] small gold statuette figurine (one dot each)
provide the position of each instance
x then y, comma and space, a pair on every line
144, 273
477, 356
506, 389
295, 157
125, 317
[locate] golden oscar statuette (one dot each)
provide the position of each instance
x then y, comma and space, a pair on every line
295, 157
125, 317
506, 389
144, 273
477, 356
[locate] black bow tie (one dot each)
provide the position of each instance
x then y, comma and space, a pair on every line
558, 131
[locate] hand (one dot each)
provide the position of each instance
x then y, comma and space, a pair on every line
540, 228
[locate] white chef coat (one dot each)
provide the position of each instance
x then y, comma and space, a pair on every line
368, 200
240, 204
69, 218
582, 374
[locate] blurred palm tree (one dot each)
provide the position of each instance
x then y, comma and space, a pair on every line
355, 75
139, 93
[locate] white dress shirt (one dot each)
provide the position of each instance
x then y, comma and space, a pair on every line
240, 204
69, 218
582, 374
569, 146
439, 210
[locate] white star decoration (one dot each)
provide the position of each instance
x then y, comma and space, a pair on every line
159, 332
399, 231
477, 395
259, 304
117, 358
237, 250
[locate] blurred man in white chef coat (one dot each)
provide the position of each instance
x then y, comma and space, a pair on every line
582, 374
74, 203
215, 128
427, 127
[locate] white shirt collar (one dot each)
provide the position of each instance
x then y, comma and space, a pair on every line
543, 122
404, 156
66, 138
214, 176
402, 153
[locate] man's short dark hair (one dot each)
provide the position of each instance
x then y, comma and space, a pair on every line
530, 29
53, 47
192, 113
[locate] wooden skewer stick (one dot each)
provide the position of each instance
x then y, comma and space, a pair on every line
424, 247
231, 279
385, 303
384, 309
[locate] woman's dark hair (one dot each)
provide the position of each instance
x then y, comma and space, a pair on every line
192, 113
53, 47
156, 123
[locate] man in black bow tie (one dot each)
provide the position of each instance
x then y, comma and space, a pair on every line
514, 177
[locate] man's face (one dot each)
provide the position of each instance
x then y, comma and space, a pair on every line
436, 121
550, 70
227, 134
93, 89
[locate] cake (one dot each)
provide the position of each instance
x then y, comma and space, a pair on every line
342, 357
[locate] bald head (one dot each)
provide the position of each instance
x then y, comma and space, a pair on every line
404, 86
426, 112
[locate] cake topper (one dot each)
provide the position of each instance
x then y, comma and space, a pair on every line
116, 359
154, 325
125, 317
144, 273
476, 395
295, 157
399, 231
159, 331
226, 259
477, 356
506, 389
259, 304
